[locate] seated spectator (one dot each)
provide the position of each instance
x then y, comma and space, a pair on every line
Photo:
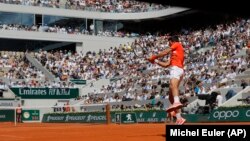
230, 94
153, 100
184, 100
243, 84
233, 84
211, 99
219, 100
199, 89
248, 49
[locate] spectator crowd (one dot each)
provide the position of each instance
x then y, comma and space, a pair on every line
114, 6
137, 79
204, 71
66, 30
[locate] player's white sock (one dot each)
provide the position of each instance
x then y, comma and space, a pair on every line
178, 115
176, 99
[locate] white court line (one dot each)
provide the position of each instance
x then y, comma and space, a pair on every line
11, 137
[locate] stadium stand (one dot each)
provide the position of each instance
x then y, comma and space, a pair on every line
215, 68
117, 6
65, 30
221, 67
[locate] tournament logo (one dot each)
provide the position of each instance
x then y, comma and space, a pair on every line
129, 117
26, 115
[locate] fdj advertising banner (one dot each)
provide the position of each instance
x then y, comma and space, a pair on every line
151, 116
71, 118
46, 93
231, 114
117, 117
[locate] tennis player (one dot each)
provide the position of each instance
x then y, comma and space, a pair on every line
175, 65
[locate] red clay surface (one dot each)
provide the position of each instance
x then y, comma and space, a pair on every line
85, 132
81, 132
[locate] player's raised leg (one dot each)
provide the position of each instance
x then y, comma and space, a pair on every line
176, 76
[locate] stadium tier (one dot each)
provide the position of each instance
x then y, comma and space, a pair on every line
119, 6
59, 68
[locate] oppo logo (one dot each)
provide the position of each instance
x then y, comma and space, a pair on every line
227, 114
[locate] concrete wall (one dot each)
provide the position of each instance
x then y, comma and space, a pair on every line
84, 42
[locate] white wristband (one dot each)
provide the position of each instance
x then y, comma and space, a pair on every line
156, 61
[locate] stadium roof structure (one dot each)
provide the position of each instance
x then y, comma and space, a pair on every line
239, 7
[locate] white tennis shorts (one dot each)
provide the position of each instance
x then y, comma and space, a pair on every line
176, 72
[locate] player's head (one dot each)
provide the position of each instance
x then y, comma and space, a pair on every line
173, 39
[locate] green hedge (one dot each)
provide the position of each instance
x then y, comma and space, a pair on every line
239, 106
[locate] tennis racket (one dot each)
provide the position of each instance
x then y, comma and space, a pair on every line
140, 52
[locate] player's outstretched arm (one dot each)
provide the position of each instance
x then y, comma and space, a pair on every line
161, 54
163, 64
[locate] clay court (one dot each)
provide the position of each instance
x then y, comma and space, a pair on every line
81, 132
84, 132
